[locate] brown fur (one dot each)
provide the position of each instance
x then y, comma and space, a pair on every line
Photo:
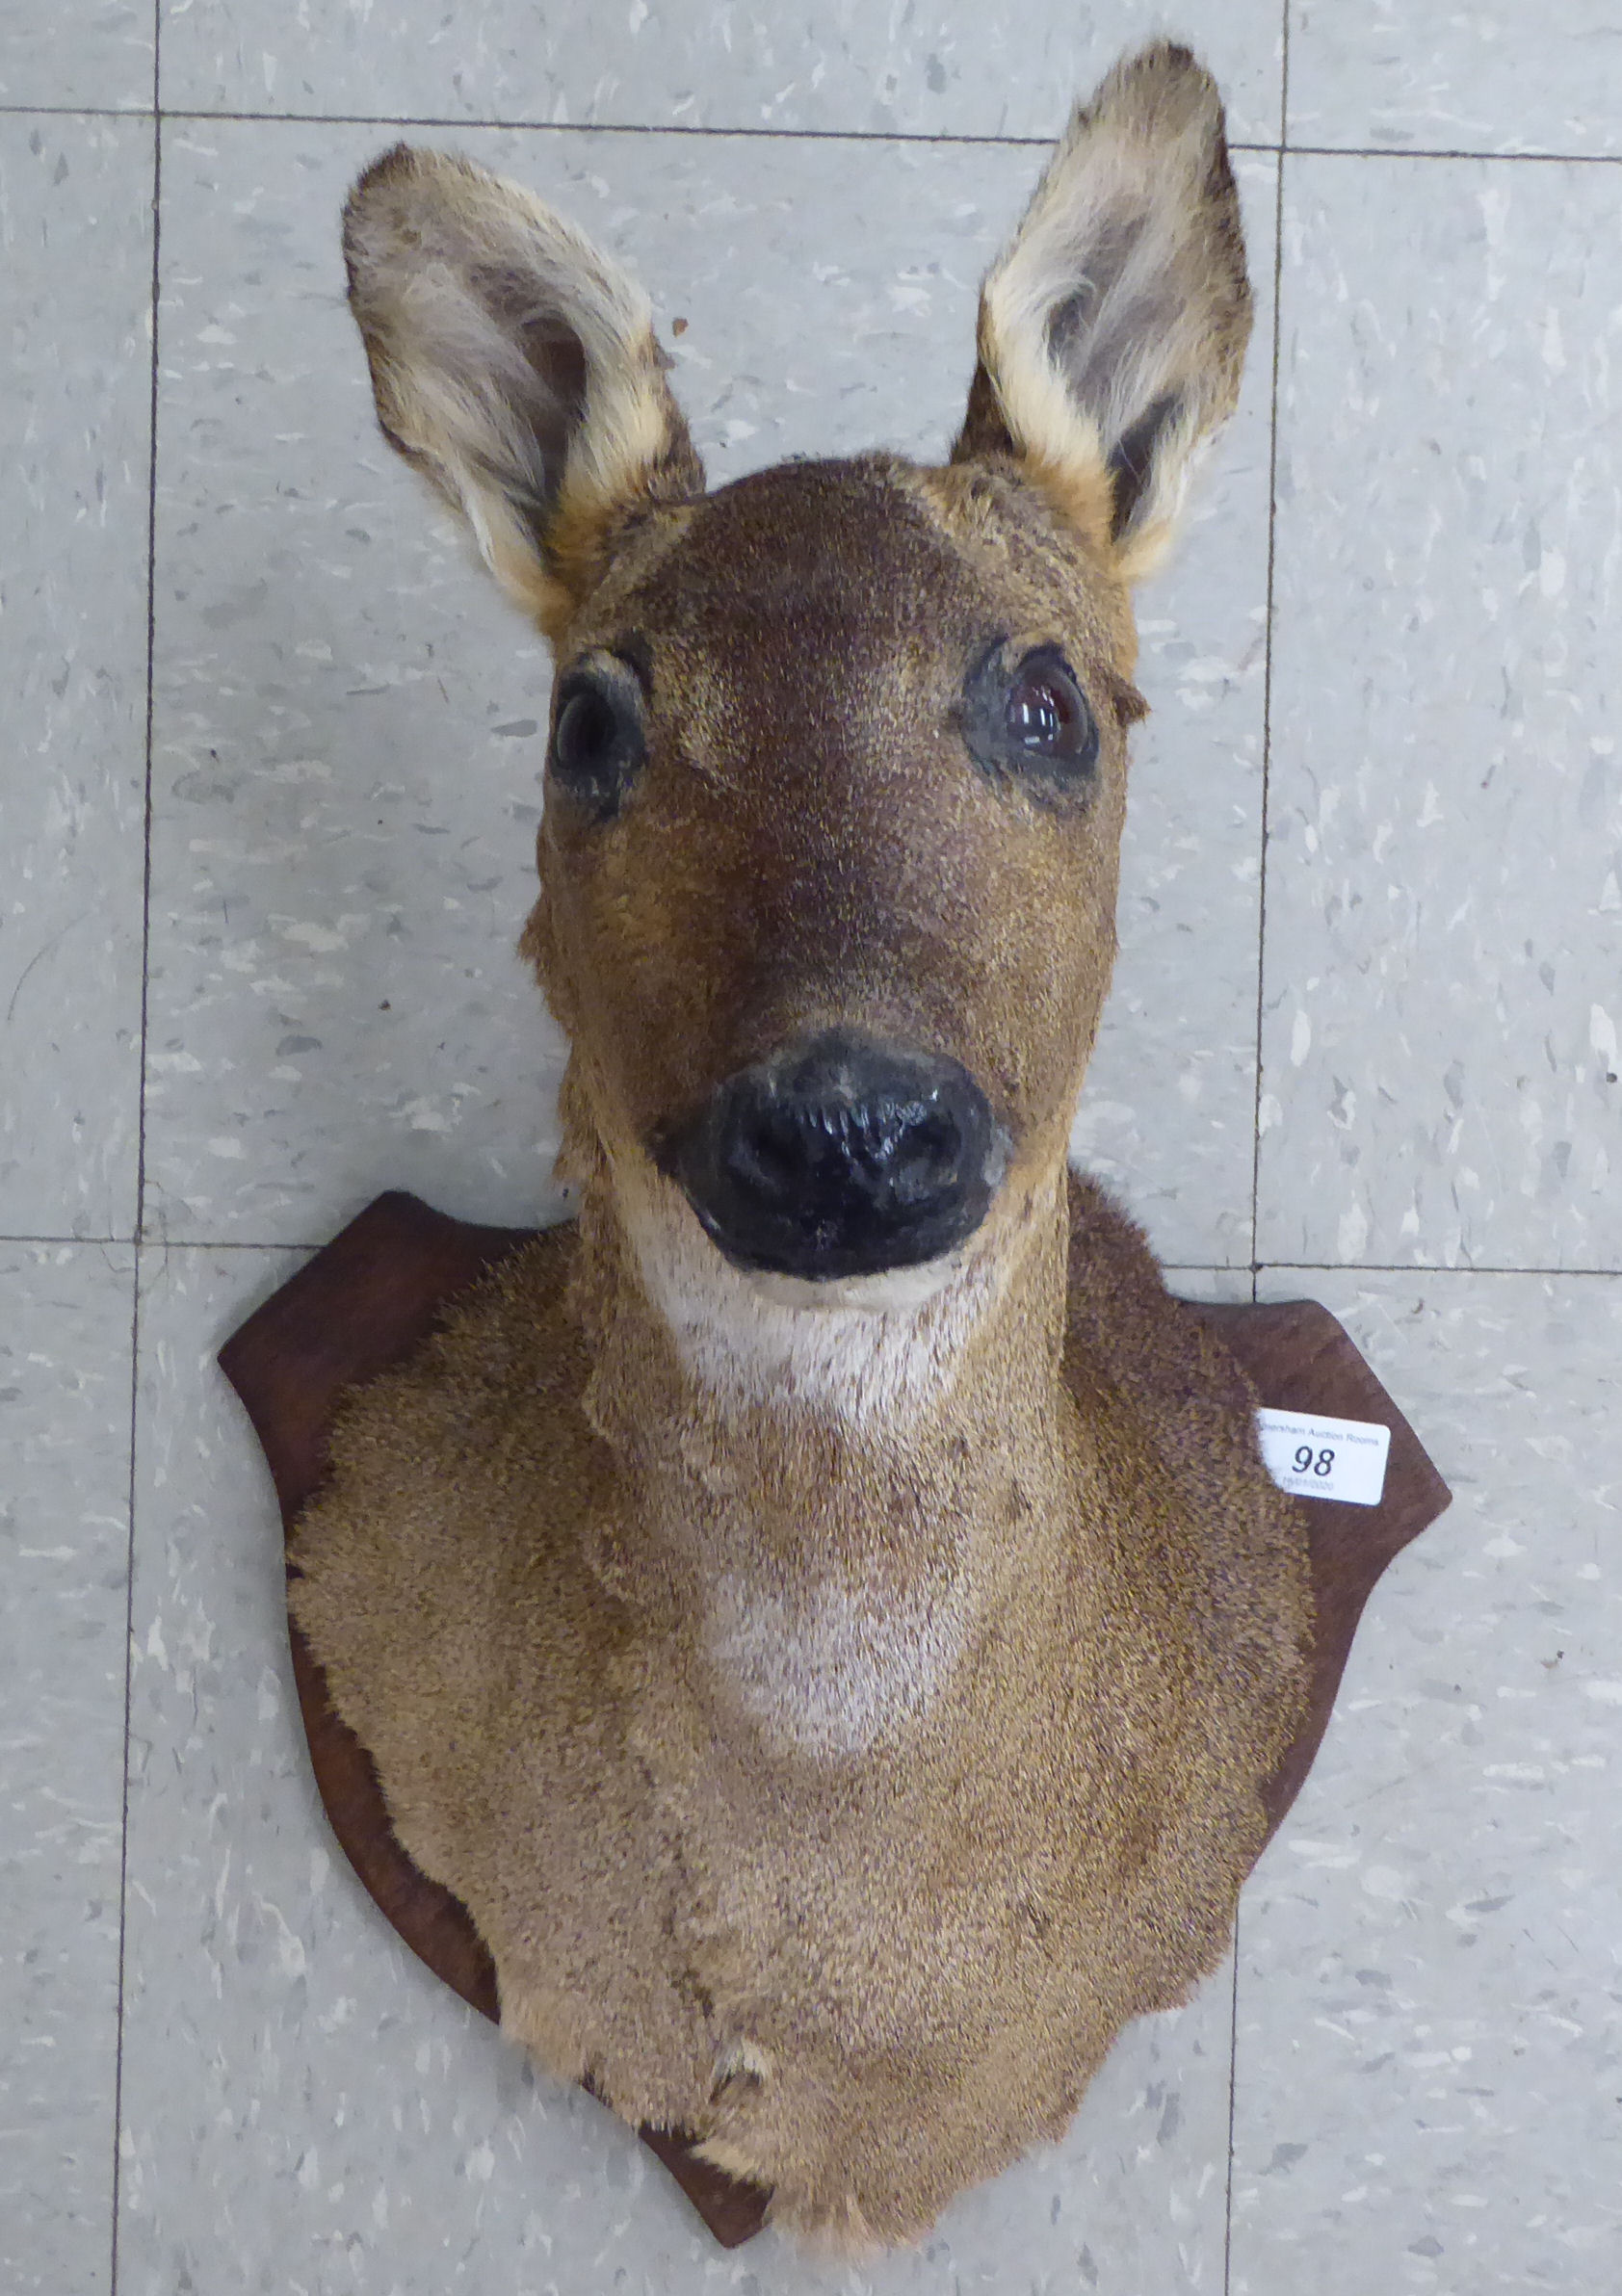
839, 1711
864, 1982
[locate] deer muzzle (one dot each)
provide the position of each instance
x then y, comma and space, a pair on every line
840, 1156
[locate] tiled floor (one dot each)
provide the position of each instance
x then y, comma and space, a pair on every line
1376, 849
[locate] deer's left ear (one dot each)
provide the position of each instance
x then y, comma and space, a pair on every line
516, 366
1112, 328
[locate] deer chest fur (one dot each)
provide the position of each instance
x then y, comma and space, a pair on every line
807, 1876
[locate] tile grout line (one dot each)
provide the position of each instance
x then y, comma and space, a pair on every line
1282, 148
141, 1153
1267, 676
456, 125
151, 662
1442, 152
123, 1834
1261, 961
1417, 1267
101, 1240
1251, 1268
1233, 2106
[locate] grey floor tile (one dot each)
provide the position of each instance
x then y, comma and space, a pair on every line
936, 68
1444, 894
1496, 76
1429, 2056
304, 2108
349, 721
76, 253
92, 54
64, 1434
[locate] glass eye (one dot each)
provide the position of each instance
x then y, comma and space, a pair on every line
1047, 715
597, 741
1029, 718
587, 730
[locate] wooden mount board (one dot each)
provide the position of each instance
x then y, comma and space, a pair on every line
377, 1290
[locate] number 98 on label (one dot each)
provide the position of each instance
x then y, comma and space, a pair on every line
1325, 1458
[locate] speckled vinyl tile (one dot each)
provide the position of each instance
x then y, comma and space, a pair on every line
1430, 2057
935, 67
348, 723
305, 2106
93, 54
1496, 76
75, 293
65, 1436
1444, 892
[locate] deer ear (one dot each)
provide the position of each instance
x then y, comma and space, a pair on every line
1112, 328
514, 366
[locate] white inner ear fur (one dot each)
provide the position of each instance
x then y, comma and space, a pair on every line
1115, 223
429, 244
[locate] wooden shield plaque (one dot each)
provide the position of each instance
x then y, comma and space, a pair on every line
378, 1289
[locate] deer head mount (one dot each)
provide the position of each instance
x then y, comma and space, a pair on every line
826, 1616
838, 756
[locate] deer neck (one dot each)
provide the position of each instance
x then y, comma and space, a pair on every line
825, 1504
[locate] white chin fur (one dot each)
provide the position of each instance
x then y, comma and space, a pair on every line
863, 1347
897, 1288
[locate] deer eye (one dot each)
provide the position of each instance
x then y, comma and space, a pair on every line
597, 739
1031, 718
1047, 715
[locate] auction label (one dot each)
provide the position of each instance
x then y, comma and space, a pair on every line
1325, 1458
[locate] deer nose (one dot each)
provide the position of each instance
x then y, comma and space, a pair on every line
842, 1156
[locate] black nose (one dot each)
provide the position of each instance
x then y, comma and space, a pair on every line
840, 1156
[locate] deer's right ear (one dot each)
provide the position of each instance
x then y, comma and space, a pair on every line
516, 367
1112, 328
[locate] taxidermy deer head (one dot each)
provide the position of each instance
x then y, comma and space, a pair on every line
838, 758
825, 1615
